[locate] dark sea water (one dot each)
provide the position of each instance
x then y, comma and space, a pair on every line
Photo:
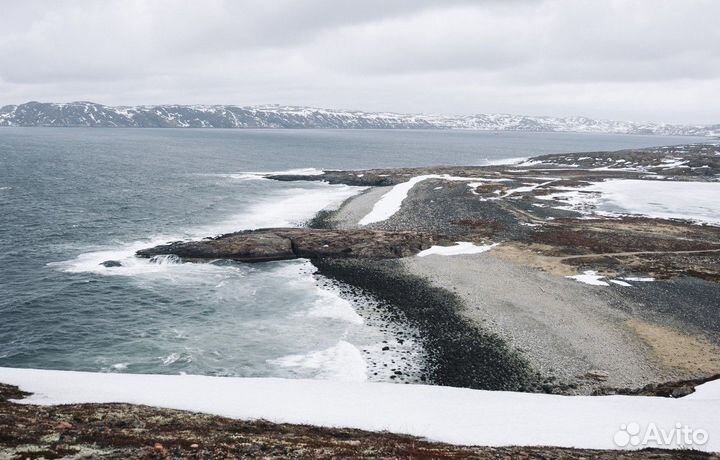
72, 198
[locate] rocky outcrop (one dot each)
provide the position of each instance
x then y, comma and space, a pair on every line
292, 243
676, 389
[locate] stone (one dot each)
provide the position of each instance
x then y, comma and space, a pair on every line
598, 375
681, 391
64, 426
111, 263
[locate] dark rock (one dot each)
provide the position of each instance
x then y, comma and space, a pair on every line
596, 374
683, 390
111, 263
677, 389
291, 243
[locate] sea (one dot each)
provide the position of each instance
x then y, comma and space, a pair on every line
71, 198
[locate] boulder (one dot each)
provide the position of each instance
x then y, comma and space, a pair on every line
111, 263
596, 374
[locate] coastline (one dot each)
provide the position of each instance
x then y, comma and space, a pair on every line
558, 335
565, 301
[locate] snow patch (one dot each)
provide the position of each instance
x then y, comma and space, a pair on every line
391, 202
694, 201
589, 277
453, 415
461, 247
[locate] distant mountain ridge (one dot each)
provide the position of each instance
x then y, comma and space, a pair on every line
89, 114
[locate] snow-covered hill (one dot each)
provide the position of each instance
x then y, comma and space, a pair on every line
274, 116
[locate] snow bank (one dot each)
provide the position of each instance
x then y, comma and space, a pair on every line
589, 277
639, 279
454, 415
695, 201
461, 247
391, 201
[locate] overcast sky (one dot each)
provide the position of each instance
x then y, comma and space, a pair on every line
656, 60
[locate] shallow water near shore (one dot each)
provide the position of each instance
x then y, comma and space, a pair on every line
73, 198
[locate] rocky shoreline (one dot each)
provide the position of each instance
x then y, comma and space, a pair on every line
510, 319
554, 335
458, 352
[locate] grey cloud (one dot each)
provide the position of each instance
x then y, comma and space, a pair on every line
586, 41
646, 58
90, 39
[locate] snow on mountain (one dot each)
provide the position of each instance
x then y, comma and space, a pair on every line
89, 114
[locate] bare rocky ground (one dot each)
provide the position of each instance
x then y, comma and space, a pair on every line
573, 338
121, 431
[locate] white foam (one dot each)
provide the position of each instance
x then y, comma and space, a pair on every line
331, 305
621, 283
90, 262
505, 161
328, 303
171, 358
342, 362
285, 208
453, 415
263, 175
282, 208
461, 247
287, 172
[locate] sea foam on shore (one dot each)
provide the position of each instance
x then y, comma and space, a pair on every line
286, 318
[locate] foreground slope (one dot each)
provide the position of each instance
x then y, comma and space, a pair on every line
453, 415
